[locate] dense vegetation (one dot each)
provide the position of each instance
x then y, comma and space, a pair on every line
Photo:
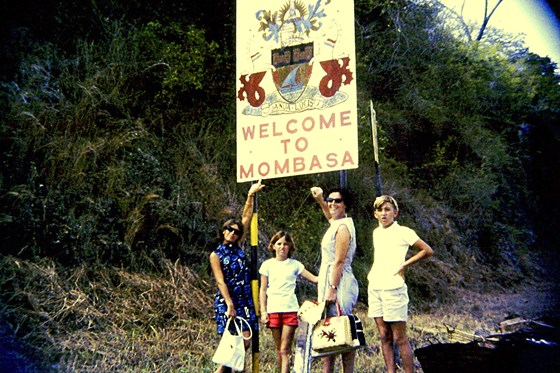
117, 125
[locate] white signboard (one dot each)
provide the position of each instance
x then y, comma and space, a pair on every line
296, 88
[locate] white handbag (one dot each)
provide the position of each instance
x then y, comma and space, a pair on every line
231, 350
311, 311
337, 334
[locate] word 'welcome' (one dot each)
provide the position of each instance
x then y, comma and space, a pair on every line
293, 126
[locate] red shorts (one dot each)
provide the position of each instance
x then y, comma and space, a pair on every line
277, 319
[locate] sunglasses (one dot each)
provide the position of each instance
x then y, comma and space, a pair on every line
234, 230
335, 200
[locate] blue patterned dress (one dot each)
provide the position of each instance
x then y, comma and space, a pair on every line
236, 275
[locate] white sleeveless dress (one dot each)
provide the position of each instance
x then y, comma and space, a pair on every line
347, 292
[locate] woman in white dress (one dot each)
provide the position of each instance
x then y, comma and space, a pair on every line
337, 283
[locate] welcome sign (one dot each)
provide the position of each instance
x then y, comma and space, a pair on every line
296, 88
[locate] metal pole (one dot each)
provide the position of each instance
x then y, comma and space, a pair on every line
343, 179
255, 281
375, 147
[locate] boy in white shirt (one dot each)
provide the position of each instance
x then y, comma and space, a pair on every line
278, 301
387, 291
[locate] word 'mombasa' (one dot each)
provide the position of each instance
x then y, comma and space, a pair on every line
297, 165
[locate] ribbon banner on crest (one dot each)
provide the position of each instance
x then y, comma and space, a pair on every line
296, 88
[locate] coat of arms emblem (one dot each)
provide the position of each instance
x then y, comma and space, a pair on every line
292, 33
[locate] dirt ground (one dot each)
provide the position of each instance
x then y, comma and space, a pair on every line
533, 301
531, 346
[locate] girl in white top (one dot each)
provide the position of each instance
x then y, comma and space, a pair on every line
278, 301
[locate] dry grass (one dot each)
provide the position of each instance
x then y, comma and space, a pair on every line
109, 320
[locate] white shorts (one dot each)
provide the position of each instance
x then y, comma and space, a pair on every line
391, 304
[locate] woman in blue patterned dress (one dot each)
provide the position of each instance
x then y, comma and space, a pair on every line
231, 271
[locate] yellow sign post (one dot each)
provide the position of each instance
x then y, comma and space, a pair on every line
255, 281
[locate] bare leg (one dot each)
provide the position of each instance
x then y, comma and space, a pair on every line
328, 364
247, 342
348, 361
277, 336
386, 337
403, 344
286, 347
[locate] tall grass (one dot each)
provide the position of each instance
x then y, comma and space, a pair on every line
106, 319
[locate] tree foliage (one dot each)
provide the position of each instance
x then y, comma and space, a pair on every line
454, 111
119, 144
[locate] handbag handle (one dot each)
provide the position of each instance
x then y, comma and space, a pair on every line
240, 326
338, 309
338, 312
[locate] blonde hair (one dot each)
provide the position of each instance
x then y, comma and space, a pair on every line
379, 201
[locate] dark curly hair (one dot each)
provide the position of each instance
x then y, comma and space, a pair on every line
347, 196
